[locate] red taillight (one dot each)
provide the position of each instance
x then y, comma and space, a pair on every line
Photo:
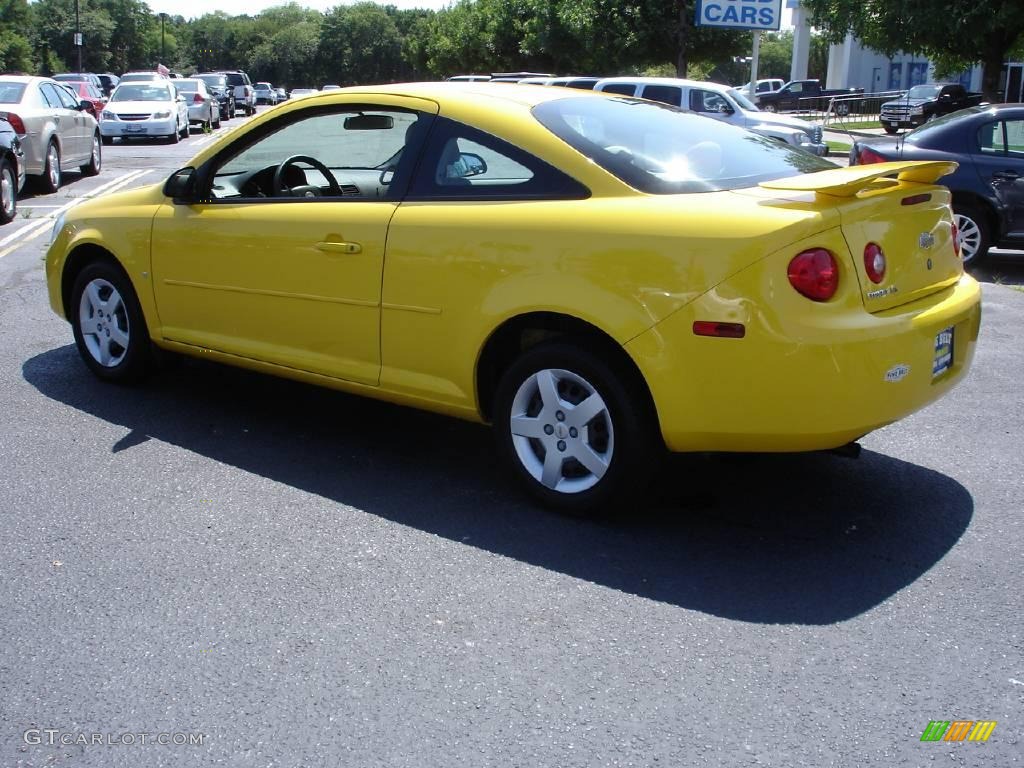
197, 98
16, 122
874, 262
814, 274
866, 156
955, 232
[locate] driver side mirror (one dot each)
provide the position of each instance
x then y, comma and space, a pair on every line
180, 187
468, 164
84, 106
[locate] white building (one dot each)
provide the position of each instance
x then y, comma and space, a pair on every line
851, 65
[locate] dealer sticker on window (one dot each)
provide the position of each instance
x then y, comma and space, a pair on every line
943, 352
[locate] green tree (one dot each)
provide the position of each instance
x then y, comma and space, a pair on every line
15, 47
359, 44
982, 31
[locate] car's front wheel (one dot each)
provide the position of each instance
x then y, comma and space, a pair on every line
110, 331
575, 430
972, 224
890, 130
770, 108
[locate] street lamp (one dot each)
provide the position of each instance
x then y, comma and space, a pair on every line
163, 54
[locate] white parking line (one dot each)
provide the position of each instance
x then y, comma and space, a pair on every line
38, 227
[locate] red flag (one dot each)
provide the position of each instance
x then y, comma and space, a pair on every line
163, 70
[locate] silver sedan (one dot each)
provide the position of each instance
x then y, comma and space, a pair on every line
57, 133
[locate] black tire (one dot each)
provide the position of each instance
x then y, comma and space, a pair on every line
624, 431
126, 363
107, 140
770, 108
8, 191
975, 235
95, 164
184, 131
49, 182
890, 130
215, 120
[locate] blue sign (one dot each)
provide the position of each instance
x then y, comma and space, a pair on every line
740, 14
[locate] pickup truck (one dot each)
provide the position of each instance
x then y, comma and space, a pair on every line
806, 95
926, 102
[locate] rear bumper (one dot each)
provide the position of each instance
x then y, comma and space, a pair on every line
138, 128
813, 383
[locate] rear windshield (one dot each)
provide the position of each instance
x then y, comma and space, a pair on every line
661, 150
235, 79
10, 93
186, 86
219, 80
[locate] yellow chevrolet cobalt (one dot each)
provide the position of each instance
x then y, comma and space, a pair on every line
598, 277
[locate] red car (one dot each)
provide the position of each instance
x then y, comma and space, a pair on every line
87, 92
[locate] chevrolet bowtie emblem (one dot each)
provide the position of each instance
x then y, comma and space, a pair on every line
926, 240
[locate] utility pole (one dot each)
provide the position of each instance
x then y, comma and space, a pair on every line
78, 36
163, 54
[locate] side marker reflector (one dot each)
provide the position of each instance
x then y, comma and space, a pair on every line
722, 330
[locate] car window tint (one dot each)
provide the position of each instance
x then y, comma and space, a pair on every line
624, 89
707, 101
10, 93
461, 162
990, 139
666, 94
361, 147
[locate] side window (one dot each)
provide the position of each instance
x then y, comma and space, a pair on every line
623, 89
991, 140
67, 100
796, 88
461, 162
707, 101
50, 96
666, 94
1015, 138
352, 153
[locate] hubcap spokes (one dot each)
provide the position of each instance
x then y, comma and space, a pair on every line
103, 320
970, 237
562, 430
7, 192
54, 161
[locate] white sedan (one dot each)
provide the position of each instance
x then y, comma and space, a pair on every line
57, 133
151, 109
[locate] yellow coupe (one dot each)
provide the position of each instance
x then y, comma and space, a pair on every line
599, 277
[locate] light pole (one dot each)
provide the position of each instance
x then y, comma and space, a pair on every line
78, 37
163, 55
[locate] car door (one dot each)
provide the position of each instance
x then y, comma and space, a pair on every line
999, 161
68, 121
289, 272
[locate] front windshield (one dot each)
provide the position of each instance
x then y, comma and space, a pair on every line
923, 92
743, 101
141, 92
659, 149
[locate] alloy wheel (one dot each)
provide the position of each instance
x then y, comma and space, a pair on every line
562, 431
103, 320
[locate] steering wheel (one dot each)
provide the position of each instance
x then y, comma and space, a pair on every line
305, 190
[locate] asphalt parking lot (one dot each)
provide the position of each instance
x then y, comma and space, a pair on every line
287, 576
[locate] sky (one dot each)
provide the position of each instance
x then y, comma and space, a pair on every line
191, 9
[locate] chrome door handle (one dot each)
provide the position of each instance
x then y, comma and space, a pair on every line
339, 247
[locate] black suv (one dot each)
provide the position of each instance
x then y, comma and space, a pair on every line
218, 85
245, 96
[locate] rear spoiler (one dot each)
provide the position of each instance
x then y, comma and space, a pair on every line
847, 182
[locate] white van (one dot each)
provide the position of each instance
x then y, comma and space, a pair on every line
719, 102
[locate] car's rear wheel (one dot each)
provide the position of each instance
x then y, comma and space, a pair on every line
108, 140
49, 182
972, 224
8, 191
573, 429
215, 119
95, 164
770, 108
110, 331
183, 133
